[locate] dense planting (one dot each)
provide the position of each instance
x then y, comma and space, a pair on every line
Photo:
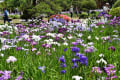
87, 50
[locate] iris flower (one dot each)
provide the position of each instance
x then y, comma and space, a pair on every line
42, 68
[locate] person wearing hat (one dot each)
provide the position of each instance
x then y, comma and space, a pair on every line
106, 8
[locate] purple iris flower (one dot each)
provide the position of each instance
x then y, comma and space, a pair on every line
111, 78
110, 72
57, 38
33, 43
84, 60
78, 20
79, 55
62, 59
62, 65
61, 30
75, 49
74, 65
43, 45
72, 20
65, 49
74, 60
100, 23
111, 48
96, 69
63, 71
21, 34
46, 45
19, 78
42, 68
21, 73
74, 43
18, 48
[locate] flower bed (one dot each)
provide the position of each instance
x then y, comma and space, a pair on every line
60, 51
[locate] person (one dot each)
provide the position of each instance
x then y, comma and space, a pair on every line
6, 16
71, 11
16, 10
106, 8
76, 12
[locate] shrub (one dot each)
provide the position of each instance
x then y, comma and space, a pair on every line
115, 11
89, 4
48, 9
27, 14
85, 9
117, 4
94, 14
42, 8
83, 15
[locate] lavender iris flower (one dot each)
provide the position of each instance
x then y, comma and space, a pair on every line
110, 72
96, 69
18, 48
5, 75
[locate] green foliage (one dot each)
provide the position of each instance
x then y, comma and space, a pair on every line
94, 14
84, 5
117, 4
83, 15
27, 13
48, 7
14, 16
115, 11
12, 4
42, 8
64, 4
89, 4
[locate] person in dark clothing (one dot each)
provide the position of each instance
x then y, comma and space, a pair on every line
6, 16
71, 11
76, 12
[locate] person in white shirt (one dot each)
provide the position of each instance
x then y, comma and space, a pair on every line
106, 8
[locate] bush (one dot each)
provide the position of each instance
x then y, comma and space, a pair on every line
115, 11
117, 4
85, 9
49, 8
42, 8
83, 15
94, 14
89, 4
27, 14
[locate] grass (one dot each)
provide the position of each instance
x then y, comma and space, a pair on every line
13, 21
